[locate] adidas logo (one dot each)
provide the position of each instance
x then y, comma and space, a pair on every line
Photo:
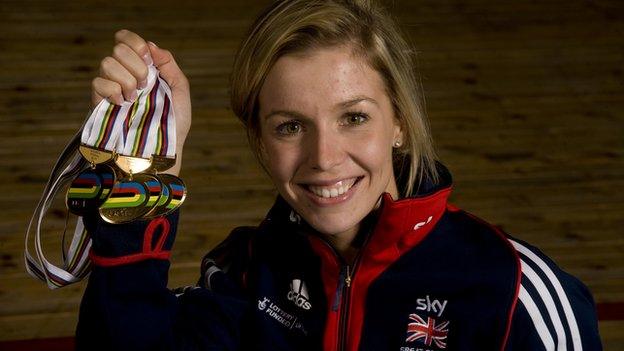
298, 294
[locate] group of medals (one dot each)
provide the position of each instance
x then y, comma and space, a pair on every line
124, 188
113, 167
128, 147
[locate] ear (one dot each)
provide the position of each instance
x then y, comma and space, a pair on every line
398, 132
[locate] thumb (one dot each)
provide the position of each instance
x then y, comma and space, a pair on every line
168, 67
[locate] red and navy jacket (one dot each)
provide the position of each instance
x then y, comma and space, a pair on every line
428, 276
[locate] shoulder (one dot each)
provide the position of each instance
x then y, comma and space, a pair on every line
483, 241
551, 308
554, 308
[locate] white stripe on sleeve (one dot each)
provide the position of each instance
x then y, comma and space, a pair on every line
549, 302
565, 303
538, 321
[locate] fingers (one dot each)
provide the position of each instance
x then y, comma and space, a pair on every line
131, 61
134, 42
125, 71
168, 67
114, 71
103, 88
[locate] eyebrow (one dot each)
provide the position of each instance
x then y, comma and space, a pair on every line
341, 105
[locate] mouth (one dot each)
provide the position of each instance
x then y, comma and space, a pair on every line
335, 192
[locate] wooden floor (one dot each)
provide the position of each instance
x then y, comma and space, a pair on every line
525, 98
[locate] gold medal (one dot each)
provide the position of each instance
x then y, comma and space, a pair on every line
177, 188
132, 164
160, 208
95, 156
127, 200
173, 195
89, 189
158, 195
162, 163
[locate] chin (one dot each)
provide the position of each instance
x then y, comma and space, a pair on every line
331, 216
332, 225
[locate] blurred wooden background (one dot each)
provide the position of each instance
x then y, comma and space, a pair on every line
525, 99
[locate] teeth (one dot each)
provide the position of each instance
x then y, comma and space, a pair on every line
338, 189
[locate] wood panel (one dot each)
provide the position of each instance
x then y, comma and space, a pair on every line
525, 100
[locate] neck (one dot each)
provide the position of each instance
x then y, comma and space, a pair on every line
343, 243
347, 244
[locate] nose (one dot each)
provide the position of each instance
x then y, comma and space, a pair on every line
325, 150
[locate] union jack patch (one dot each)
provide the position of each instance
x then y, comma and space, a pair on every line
427, 332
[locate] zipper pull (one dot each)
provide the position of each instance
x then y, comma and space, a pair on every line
348, 277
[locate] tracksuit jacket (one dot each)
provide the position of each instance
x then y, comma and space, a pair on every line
428, 276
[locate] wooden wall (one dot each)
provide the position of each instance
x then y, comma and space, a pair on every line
525, 99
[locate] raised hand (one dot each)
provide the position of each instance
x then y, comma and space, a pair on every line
125, 71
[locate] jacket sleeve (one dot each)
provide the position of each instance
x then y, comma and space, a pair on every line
127, 306
553, 308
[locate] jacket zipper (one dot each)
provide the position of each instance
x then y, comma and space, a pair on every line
345, 297
344, 311
347, 274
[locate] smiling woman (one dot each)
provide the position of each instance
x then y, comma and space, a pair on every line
327, 133
361, 250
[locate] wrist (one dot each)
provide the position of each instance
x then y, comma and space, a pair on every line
121, 244
175, 170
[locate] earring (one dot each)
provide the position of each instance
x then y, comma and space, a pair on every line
397, 143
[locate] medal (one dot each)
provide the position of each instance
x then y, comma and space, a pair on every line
95, 156
89, 189
158, 195
160, 208
177, 191
108, 180
127, 200
162, 163
132, 164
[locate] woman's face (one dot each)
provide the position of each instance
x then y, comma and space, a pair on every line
327, 132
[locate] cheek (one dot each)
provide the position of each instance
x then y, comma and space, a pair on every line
281, 160
376, 155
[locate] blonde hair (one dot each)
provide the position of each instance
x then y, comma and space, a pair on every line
295, 26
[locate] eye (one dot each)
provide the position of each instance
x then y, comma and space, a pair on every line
289, 128
356, 118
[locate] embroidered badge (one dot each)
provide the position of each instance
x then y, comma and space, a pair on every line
427, 332
426, 328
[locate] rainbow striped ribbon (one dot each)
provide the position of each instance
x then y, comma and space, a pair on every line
150, 130
140, 128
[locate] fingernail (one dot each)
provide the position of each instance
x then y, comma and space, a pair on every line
143, 84
147, 58
133, 96
116, 100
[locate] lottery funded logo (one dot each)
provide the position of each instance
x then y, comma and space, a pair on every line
277, 313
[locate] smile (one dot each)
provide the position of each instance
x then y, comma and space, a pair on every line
333, 192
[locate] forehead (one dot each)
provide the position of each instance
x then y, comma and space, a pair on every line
319, 78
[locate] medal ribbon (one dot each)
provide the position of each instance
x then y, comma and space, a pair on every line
151, 128
142, 128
